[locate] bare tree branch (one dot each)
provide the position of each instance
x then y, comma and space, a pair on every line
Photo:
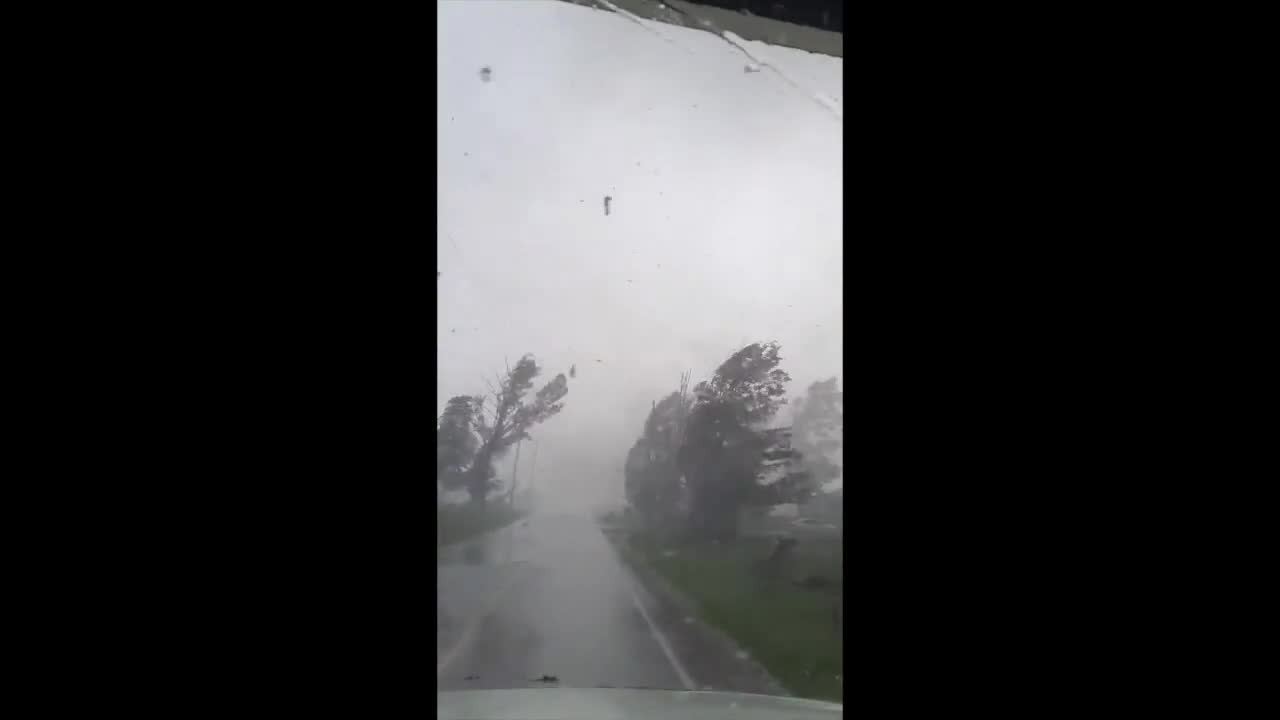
491, 388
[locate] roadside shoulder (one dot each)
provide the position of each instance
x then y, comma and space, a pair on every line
711, 657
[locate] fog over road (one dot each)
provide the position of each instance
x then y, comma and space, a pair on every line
549, 596
553, 599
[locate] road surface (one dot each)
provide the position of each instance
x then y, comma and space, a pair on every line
549, 597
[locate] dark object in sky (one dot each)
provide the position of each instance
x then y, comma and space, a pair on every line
607, 199
573, 371
546, 679
486, 73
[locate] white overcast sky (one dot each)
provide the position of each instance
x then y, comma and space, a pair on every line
725, 225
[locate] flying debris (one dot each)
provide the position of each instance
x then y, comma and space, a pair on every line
607, 199
573, 371
486, 73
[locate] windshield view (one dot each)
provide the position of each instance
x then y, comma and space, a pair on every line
639, 432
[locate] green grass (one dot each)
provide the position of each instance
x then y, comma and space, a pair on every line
788, 629
459, 522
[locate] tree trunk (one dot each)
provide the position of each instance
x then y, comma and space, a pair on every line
478, 482
511, 495
713, 517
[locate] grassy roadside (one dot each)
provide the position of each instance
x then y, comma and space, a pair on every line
789, 629
459, 522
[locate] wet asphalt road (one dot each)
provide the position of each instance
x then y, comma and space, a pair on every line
545, 597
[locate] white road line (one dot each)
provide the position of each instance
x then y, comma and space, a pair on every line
662, 641
464, 638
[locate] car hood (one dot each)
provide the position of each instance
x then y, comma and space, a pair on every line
616, 704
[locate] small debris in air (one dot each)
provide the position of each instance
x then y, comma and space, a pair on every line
546, 679
607, 199
486, 73
573, 371
471, 677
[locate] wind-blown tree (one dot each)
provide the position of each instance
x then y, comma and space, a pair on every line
643, 493
818, 430
653, 483
509, 420
730, 457
457, 441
